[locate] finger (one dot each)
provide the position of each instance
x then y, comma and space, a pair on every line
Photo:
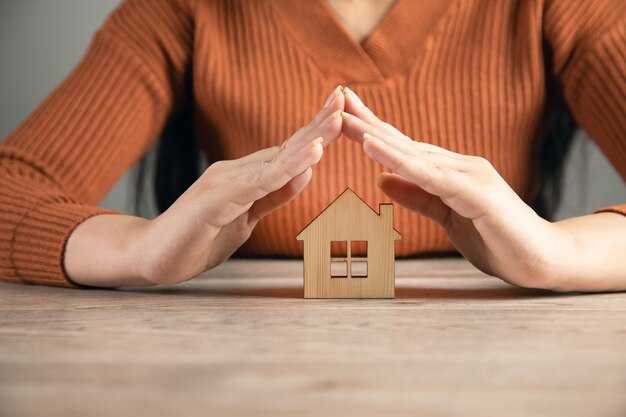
236, 196
336, 103
353, 127
325, 124
329, 130
414, 198
338, 91
255, 185
236, 166
278, 198
449, 160
355, 106
256, 177
435, 179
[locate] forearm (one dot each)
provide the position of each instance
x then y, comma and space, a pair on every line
104, 251
593, 257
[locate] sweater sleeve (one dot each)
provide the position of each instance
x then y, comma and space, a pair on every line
62, 160
587, 39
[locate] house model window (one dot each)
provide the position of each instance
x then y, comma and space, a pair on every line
348, 259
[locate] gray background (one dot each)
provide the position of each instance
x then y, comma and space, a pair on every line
42, 40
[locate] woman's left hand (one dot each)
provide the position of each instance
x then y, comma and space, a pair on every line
484, 218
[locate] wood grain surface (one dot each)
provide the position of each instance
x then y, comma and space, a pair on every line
241, 340
349, 219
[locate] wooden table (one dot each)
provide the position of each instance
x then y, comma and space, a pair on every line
242, 341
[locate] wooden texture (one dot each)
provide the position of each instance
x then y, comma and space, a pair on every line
242, 341
348, 218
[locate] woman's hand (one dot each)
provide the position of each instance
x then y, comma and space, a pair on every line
213, 218
484, 218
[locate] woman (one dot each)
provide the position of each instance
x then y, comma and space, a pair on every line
471, 88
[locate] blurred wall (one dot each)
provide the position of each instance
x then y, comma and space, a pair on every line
42, 40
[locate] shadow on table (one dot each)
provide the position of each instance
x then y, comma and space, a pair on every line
502, 293
417, 293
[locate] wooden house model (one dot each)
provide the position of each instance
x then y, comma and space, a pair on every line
349, 250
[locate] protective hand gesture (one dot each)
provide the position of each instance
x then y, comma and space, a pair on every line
216, 215
484, 218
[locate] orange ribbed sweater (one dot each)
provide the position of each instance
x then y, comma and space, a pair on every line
477, 77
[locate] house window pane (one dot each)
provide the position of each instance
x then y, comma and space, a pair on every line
339, 269
358, 248
338, 249
359, 269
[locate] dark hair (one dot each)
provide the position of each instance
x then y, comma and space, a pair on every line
171, 167
554, 151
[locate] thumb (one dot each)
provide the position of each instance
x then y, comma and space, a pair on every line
413, 197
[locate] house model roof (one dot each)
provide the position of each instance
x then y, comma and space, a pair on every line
350, 195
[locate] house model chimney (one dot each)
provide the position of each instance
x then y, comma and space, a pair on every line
386, 213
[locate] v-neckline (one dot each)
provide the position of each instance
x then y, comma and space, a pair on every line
390, 49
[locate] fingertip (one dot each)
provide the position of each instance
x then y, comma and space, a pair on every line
369, 138
346, 116
381, 179
332, 125
319, 150
348, 93
349, 102
333, 96
328, 120
302, 179
372, 146
316, 149
308, 174
340, 90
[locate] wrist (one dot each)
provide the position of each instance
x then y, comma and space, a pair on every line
552, 256
531, 250
107, 251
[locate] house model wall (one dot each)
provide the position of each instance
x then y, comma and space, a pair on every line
348, 224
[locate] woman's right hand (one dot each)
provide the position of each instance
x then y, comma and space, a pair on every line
209, 221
